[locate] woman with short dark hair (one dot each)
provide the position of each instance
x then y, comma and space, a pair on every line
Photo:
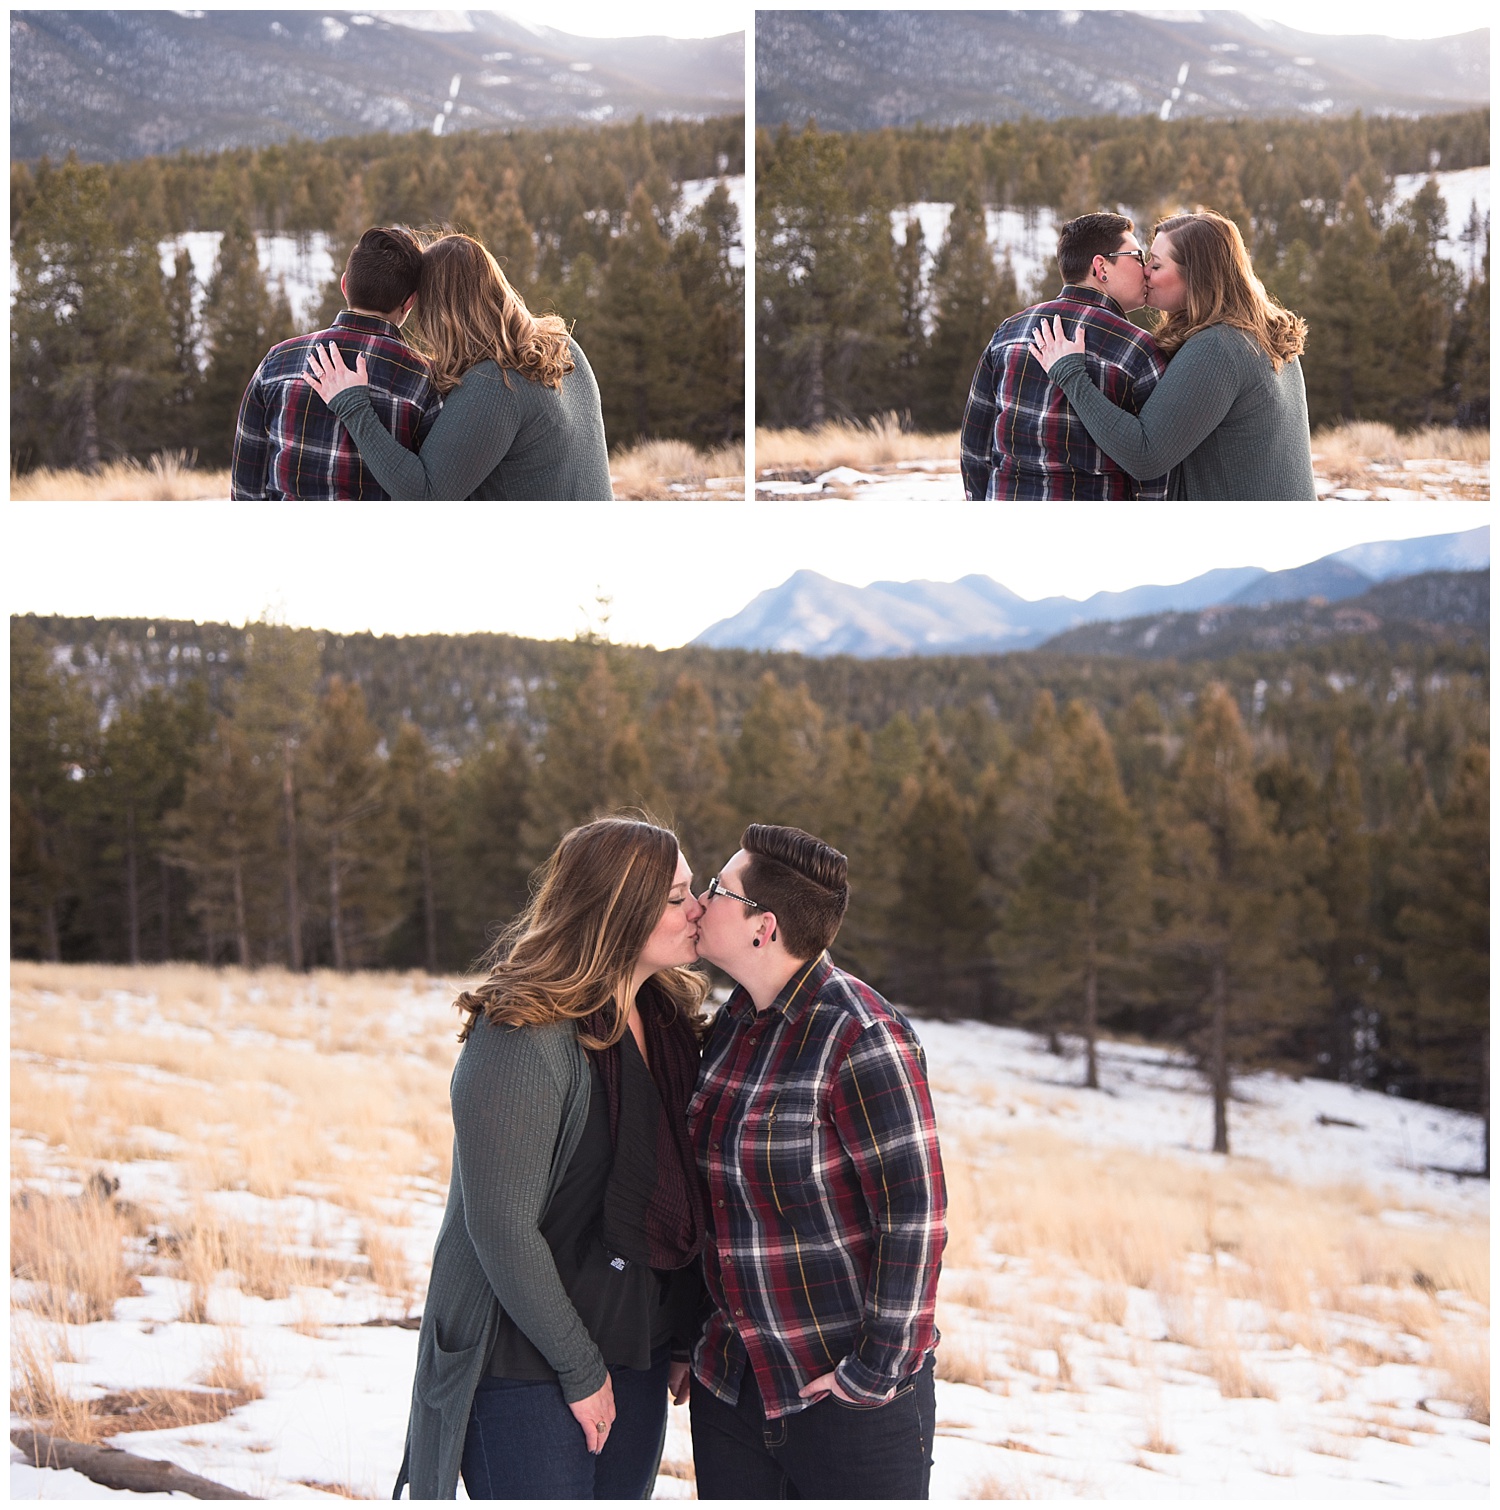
815, 1137
1229, 415
521, 413
565, 1282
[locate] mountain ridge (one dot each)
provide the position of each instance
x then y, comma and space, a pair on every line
121, 84
814, 615
863, 70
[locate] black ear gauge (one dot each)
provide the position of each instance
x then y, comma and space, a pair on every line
755, 943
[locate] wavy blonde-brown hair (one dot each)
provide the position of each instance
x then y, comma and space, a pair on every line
467, 312
572, 951
1222, 289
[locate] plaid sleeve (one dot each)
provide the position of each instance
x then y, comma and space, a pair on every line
252, 446
976, 438
882, 1112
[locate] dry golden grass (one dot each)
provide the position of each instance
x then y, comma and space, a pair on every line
390, 1270
264, 1081
168, 475
1464, 1357
1368, 440
846, 443
35, 1392
72, 1248
1353, 455
647, 470
231, 1368
205, 1251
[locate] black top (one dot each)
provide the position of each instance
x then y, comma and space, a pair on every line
630, 1309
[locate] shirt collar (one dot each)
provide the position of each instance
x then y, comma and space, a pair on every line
794, 996
1081, 295
373, 324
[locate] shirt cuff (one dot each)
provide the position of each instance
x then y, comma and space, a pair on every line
862, 1383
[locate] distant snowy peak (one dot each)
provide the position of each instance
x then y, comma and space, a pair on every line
813, 615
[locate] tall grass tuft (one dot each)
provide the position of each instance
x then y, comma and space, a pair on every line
35, 1391
167, 475
72, 1249
881, 441
648, 470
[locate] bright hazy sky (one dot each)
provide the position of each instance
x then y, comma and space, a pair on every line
671, 569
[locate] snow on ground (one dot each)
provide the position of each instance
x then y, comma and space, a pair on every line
938, 481
1090, 1410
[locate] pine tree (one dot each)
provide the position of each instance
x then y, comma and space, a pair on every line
1236, 912
642, 325
88, 352
353, 830
1446, 927
714, 350
1352, 314
148, 751
688, 769
420, 793
241, 322
773, 765
53, 745
591, 759
276, 707
1350, 960
1071, 931
185, 382
939, 924
224, 836
970, 297
491, 801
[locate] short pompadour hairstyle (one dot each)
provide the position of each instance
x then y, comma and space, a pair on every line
1088, 237
383, 269
804, 881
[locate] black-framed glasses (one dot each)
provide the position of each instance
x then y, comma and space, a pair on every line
1138, 255
716, 888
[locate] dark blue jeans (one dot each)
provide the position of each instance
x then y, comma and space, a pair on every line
523, 1442
831, 1450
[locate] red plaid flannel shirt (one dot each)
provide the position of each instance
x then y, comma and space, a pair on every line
815, 1135
290, 444
1020, 436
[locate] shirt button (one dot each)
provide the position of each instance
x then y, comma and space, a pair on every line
738, 1311
719, 1204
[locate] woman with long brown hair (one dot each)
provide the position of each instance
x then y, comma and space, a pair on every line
521, 416
1229, 416
565, 1281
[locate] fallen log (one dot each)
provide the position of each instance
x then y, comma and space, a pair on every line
116, 1469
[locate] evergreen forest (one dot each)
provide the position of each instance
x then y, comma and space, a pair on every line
112, 356
1272, 858
847, 326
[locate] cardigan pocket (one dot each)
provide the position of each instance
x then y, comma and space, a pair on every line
443, 1375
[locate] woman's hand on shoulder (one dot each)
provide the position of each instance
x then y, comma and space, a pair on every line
328, 373
1049, 343
596, 1415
